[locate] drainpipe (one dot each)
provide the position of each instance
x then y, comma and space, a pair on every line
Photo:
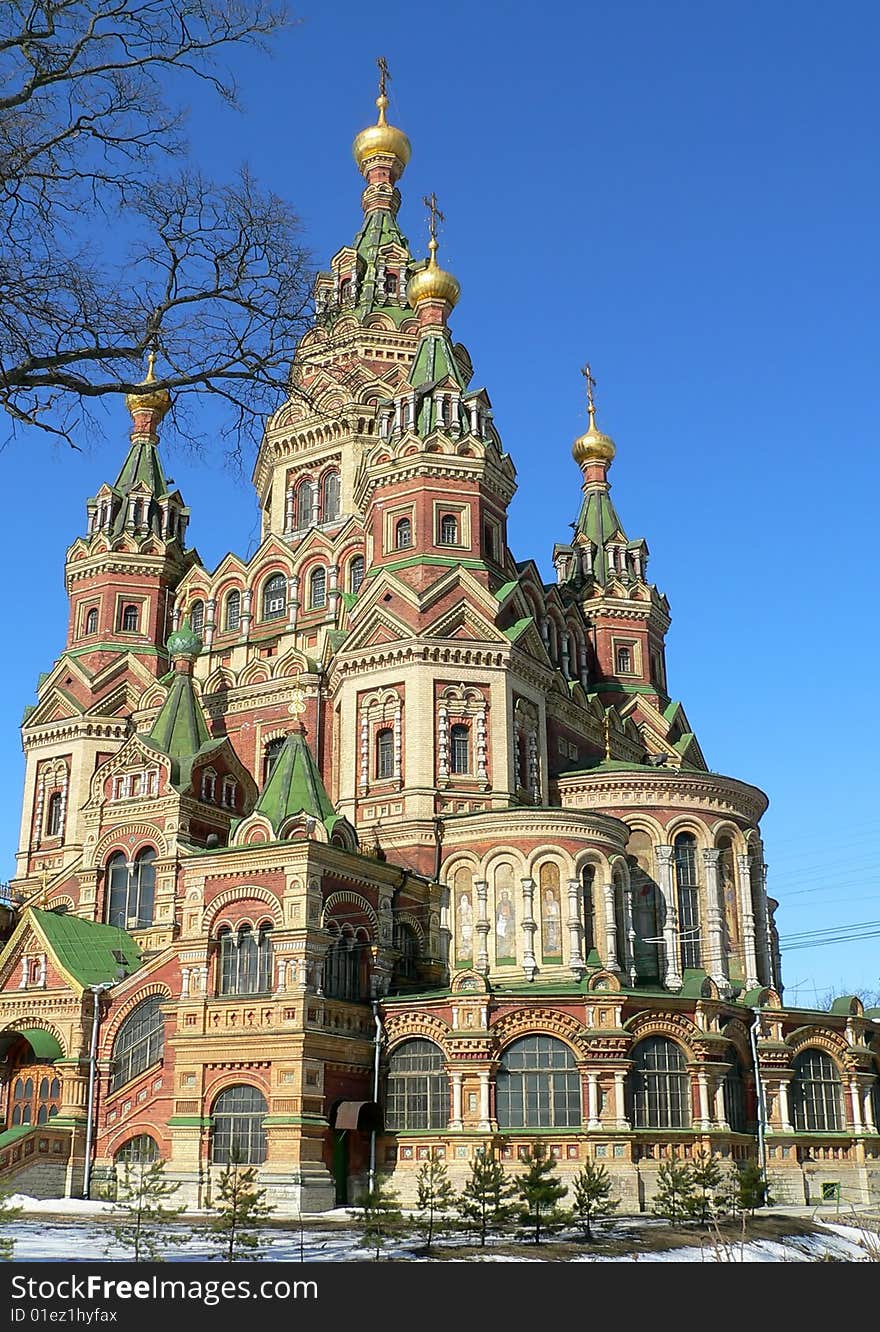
96, 991
759, 1089
377, 1045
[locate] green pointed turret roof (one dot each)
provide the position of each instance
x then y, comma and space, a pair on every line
295, 787
180, 730
380, 230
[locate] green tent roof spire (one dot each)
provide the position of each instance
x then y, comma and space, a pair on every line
295, 786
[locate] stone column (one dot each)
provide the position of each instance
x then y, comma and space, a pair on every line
750, 961
856, 1100
456, 1079
593, 1120
364, 778
671, 974
398, 740
485, 1123
482, 748
611, 961
621, 1120
576, 962
784, 1110
705, 1119
481, 926
717, 959
246, 614
866, 1088
529, 926
443, 742
720, 1112
210, 622
630, 932
333, 593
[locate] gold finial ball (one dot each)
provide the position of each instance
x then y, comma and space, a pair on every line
593, 447
433, 284
157, 401
381, 138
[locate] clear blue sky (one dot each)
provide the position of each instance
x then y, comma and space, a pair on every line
687, 195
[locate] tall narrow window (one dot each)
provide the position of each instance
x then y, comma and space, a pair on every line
460, 749
403, 534
815, 1094
318, 589
139, 1042
245, 962
687, 883
735, 1097
385, 753
417, 1089
53, 816
390, 284
274, 597
305, 503
449, 530
330, 497
588, 878
658, 1085
232, 618
131, 889
356, 574
489, 541
92, 621
130, 619
270, 756
197, 616
624, 661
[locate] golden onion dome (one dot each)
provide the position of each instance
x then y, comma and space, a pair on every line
381, 138
593, 446
433, 283
158, 401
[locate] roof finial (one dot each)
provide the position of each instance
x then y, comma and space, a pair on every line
607, 730
430, 202
382, 99
587, 373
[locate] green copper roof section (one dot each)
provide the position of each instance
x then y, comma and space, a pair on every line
180, 730
599, 523
380, 229
435, 364
295, 787
85, 950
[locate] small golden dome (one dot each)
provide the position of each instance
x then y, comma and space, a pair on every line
158, 402
432, 283
593, 446
381, 138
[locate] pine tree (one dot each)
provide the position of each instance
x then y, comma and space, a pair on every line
591, 1188
381, 1218
7, 1213
539, 1194
675, 1191
706, 1178
485, 1203
240, 1212
143, 1218
753, 1189
435, 1194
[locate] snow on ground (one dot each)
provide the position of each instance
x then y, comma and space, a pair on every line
77, 1230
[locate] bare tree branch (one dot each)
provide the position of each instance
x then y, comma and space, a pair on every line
214, 275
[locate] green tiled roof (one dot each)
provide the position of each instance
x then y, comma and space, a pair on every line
180, 730
86, 950
295, 787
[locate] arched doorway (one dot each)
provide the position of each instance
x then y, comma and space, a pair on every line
32, 1085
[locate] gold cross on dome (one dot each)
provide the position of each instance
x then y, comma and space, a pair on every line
430, 202
587, 373
384, 76
297, 703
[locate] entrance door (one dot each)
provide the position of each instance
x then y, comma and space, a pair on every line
340, 1165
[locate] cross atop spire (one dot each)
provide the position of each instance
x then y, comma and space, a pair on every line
434, 215
382, 99
587, 373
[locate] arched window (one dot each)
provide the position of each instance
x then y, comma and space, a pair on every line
688, 885
92, 621
417, 1088
815, 1094
245, 960
209, 785
317, 589
385, 753
229, 792
488, 541
131, 889
538, 1085
138, 1151
406, 941
345, 291
658, 1084
449, 530
54, 814
274, 597
391, 284
624, 661
330, 497
130, 620
356, 574
735, 1097
197, 617
238, 1135
343, 972
403, 534
460, 748
232, 617
270, 756
139, 1042
588, 879
305, 504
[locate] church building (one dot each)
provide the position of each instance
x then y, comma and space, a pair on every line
376, 846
